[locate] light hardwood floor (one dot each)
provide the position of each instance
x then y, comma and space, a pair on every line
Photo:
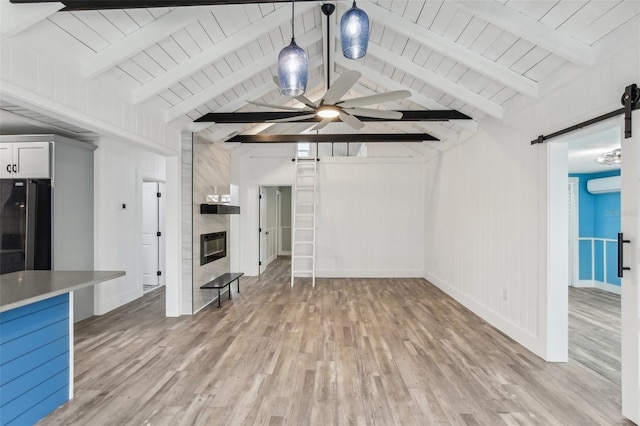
350, 351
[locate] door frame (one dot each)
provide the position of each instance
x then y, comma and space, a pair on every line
262, 201
574, 231
141, 177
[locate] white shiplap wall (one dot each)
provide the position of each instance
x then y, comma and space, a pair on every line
486, 218
370, 210
29, 79
118, 173
369, 217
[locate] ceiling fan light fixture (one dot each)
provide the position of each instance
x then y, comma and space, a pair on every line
328, 111
610, 158
354, 33
293, 66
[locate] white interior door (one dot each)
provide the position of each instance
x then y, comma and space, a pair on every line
630, 298
263, 229
149, 233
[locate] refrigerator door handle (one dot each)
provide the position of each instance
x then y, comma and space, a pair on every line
15, 168
8, 168
32, 199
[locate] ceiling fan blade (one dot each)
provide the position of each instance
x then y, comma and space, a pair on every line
283, 107
308, 102
322, 124
374, 113
351, 120
375, 99
288, 119
340, 87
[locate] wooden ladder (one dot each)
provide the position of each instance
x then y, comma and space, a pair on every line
303, 254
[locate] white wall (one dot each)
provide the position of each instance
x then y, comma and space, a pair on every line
370, 217
119, 170
369, 220
486, 218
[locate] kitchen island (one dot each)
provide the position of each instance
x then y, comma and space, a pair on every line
36, 340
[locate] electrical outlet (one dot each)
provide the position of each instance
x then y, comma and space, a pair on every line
505, 294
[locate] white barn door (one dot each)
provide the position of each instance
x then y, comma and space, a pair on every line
630, 299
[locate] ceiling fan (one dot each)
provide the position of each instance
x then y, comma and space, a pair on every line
331, 106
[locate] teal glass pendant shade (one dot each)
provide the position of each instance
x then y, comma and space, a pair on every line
354, 33
293, 66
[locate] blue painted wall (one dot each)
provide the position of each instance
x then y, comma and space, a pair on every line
599, 217
34, 360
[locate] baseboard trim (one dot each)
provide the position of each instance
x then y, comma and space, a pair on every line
521, 336
611, 288
369, 273
105, 305
584, 284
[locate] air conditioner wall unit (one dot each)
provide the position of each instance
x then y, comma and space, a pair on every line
604, 185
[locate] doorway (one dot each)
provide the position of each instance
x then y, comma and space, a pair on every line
594, 337
152, 241
594, 317
275, 224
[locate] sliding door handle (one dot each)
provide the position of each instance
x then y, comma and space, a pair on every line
621, 267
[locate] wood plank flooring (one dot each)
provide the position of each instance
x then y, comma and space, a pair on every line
347, 352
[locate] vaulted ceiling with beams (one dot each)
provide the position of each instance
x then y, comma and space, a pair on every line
482, 58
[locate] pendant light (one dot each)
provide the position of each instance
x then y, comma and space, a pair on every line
293, 66
354, 33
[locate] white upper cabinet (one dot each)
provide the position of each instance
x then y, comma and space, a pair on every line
25, 160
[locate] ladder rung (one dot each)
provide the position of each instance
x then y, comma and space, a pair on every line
304, 214
305, 271
304, 229
304, 204
303, 242
303, 257
306, 159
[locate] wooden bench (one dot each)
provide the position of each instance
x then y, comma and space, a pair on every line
223, 281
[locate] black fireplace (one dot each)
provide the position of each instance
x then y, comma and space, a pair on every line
212, 246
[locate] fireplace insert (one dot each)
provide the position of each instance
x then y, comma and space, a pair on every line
212, 246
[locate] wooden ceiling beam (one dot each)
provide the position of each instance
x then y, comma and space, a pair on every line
15, 19
234, 79
334, 137
531, 30
452, 50
391, 84
216, 52
72, 5
139, 40
437, 81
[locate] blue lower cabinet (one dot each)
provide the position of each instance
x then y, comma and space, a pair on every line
34, 360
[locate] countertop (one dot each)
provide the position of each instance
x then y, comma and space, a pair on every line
26, 287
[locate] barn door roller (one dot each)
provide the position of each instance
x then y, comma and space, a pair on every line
630, 101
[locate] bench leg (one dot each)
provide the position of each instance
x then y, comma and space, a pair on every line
218, 298
238, 282
229, 289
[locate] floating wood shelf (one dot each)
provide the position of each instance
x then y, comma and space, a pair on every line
219, 209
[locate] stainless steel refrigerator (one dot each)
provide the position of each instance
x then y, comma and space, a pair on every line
25, 224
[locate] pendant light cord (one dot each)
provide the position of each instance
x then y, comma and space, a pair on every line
293, 7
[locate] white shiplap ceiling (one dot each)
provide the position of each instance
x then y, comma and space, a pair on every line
478, 57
